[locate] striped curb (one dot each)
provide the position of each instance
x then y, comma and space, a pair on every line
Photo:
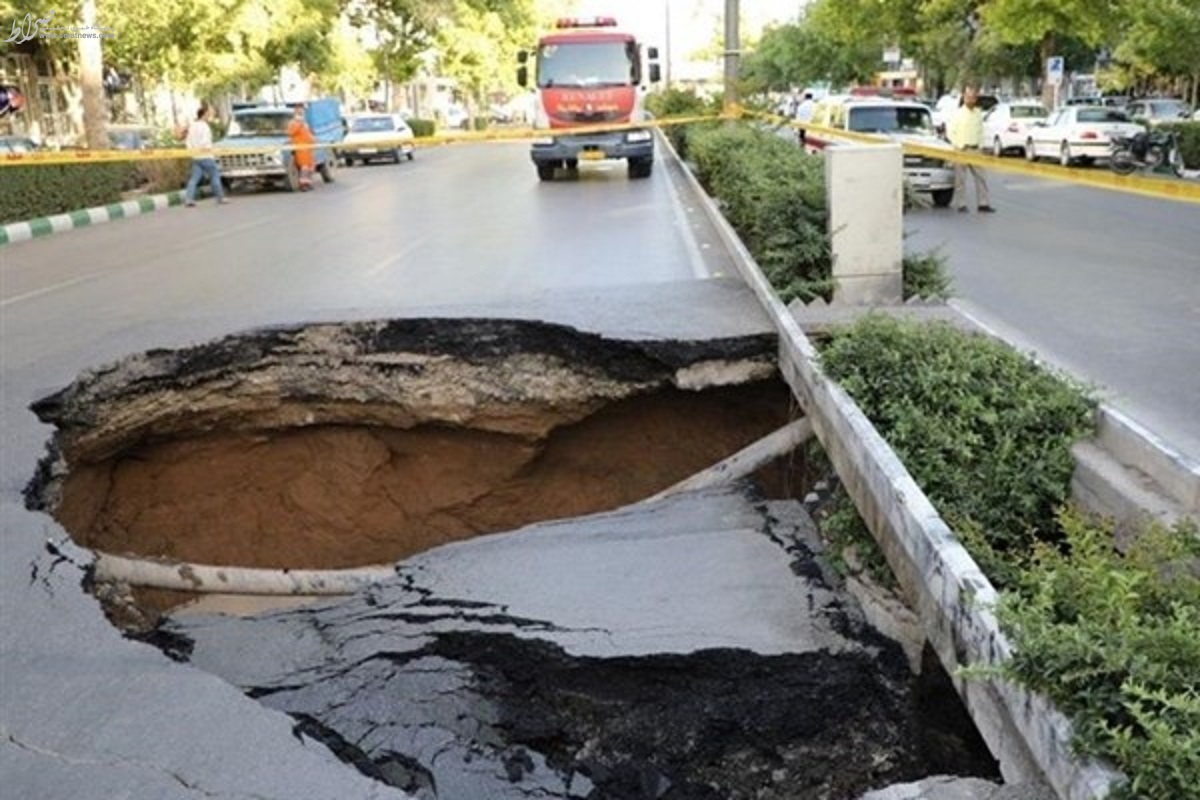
45, 226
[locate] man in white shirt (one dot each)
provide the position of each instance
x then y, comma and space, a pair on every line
804, 113
966, 133
199, 140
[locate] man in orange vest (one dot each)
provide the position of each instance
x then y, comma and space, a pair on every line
301, 136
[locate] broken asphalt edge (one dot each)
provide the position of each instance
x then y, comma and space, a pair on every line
1029, 736
24, 231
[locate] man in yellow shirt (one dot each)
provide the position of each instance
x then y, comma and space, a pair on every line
966, 133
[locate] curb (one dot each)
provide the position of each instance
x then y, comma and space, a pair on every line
1029, 737
44, 226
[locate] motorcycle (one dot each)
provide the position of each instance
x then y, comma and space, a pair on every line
1147, 151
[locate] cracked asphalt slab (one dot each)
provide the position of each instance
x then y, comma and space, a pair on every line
692, 647
518, 690
86, 712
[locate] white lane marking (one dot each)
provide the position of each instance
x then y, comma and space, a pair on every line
48, 289
406, 249
684, 224
218, 234
221, 234
1038, 186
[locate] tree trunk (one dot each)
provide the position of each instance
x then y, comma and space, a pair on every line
1049, 92
91, 76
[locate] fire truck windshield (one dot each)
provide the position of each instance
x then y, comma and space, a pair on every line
612, 63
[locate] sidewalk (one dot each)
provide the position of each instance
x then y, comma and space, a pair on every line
44, 226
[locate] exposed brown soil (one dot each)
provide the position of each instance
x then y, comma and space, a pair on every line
333, 496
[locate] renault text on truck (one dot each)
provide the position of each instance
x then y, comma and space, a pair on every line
587, 73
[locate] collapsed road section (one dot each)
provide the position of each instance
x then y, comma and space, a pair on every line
693, 646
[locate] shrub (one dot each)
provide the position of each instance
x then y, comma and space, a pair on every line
422, 127
163, 175
679, 103
925, 276
1115, 641
773, 194
39, 190
984, 431
1189, 141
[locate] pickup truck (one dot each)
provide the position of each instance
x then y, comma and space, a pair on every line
264, 128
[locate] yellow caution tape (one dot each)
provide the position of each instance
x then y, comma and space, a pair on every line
83, 156
1148, 186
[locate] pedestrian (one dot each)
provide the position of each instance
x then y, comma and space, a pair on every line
804, 114
199, 140
301, 137
966, 134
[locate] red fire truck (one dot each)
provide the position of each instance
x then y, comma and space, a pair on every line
587, 73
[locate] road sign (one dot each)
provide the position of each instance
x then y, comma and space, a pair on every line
1054, 70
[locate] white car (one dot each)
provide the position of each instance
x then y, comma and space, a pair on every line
1006, 126
1076, 133
902, 120
943, 110
376, 136
1157, 110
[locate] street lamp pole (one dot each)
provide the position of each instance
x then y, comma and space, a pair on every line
732, 50
667, 42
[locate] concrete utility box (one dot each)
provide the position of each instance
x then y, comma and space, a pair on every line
865, 190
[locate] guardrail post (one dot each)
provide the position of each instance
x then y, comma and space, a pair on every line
865, 190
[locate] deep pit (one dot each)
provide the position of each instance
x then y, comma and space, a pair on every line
339, 445
316, 448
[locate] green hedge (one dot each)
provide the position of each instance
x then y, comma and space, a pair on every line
422, 127
1112, 639
679, 103
984, 431
773, 194
1189, 142
39, 190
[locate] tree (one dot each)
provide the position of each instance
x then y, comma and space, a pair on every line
1048, 23
1161, 41
478, 47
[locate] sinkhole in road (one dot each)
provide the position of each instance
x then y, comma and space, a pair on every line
340, 445
335, 445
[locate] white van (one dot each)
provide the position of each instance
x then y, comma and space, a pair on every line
902, 120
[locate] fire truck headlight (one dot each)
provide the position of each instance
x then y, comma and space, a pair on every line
543, 140
637, 136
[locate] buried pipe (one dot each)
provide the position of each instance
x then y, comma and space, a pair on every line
209, 578
212, 579
745, 461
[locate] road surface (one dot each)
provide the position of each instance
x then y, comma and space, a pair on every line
1102, 284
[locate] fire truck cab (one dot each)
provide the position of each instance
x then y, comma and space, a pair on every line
588, 74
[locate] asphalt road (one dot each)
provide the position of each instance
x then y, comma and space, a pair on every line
457, 225
87, 713
1101, 284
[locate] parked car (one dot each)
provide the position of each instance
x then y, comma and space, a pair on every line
1006, 126
370, 137
17, 144
1078, 133
902, 120
947, 104
1156, 110
132, 137
456, 117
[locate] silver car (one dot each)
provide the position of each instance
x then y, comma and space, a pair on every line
903, 121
